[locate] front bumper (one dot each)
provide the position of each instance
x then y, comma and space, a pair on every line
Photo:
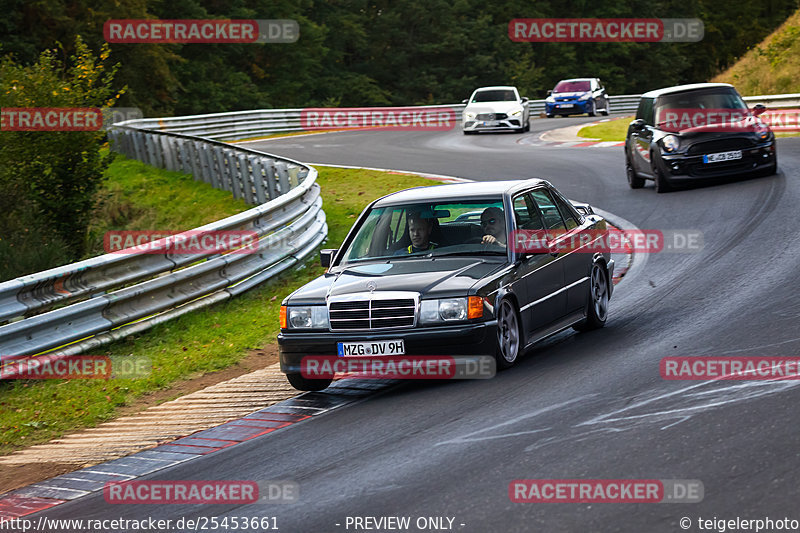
512, 123
458, 340
681, 166
568, 107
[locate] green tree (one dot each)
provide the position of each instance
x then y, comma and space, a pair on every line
48, 179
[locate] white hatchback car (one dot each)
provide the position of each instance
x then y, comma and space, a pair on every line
496, 108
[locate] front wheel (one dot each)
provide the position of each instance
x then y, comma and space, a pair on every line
634, 181
662, 183
509, 339
297, 381
597, 306
592, 111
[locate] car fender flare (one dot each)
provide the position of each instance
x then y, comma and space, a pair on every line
506, 292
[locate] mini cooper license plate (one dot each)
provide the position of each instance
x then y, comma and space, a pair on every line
722, 156
361, 349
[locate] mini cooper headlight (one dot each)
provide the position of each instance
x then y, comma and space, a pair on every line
450, 310
671, 143
307, 317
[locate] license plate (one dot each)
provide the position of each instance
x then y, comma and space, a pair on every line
565, 105
375, 348
722, 156
490, 123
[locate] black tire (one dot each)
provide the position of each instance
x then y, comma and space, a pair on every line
509, 335
604, 112
662, 183
549, 116
634, 181
297, 381
593, 112
527, 125
597, 302
771, 170
468, 132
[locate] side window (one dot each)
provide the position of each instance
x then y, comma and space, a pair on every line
645, 110
526, 213
552, 218
566, 213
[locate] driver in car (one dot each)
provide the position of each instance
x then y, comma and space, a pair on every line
419, 230
494, 226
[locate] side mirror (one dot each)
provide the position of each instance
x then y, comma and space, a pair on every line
638, 124
584, 209
524, 99
758, 109
464, 101
549, 92
326, 257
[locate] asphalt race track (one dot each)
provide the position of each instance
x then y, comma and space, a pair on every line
588, 406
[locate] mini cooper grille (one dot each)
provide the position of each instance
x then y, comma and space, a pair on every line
720, 145
372, 314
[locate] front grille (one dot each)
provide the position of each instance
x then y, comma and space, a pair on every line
720, 145
491, 116
372, 314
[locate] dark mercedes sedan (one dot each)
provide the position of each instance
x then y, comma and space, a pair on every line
415, 277
698, 131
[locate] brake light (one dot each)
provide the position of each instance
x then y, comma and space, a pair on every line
475, 307
283, 317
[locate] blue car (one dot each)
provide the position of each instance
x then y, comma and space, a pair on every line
577, 96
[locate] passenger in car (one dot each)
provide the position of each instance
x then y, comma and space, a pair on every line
494, 226
419, 230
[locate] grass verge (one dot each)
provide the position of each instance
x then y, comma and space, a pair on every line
207, 340
611, 130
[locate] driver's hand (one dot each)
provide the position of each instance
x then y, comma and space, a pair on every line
489, 239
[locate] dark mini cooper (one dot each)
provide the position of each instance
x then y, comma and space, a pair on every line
690, 132
417, 276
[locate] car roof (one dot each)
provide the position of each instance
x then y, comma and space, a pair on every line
578, 79
473, 189
681, 88
493, 87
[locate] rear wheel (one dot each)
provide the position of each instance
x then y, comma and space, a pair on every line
597, 306
297, 381
509, 339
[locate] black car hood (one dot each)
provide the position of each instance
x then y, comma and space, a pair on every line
433, 277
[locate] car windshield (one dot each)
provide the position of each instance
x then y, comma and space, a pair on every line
456, 227
495, 95
572, 86
711, 105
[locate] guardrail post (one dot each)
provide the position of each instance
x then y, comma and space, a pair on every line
270, 177
217, 168
258, 179
283, 177
248, 177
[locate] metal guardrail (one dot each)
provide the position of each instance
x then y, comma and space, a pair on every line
245, 124
107, 297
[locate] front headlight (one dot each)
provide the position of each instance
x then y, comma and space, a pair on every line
450, 310
585, 97
550, 100
306, 317
671, 143
516, 113
470, 115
